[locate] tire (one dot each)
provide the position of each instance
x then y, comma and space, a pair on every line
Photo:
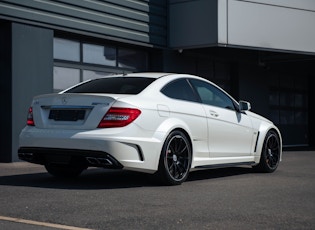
175, 159
64, 170
270, 155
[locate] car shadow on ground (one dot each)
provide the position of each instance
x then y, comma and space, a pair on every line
92, 179
208, 174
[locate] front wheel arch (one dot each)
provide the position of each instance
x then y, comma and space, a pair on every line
271, 152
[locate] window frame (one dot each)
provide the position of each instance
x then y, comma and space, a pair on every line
197, 97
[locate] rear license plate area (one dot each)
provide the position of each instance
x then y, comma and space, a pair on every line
66, 114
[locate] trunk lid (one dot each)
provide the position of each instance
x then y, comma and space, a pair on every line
70, 111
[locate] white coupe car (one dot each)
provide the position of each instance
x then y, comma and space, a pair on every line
162, 123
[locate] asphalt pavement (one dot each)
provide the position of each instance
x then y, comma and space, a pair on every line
230, 198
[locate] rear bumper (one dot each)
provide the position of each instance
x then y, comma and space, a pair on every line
133, 149
87, 158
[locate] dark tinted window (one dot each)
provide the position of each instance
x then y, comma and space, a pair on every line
114, 85
179, 89
211, 95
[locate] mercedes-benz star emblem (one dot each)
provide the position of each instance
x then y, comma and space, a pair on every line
64, 100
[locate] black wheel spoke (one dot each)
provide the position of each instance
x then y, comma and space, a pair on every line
176, 175
169, 157
181, 168
172, 169
183, 151
172, 149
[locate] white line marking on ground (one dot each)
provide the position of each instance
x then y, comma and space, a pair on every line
38, 223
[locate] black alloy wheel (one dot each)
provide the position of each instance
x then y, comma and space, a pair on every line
270, 156
175, 160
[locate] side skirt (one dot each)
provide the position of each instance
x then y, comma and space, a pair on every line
225, 165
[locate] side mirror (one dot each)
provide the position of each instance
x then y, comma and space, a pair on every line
244, 106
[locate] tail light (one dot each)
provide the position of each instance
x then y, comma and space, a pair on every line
30, 120
119, 117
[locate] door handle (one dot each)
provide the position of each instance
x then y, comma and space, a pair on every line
213, 113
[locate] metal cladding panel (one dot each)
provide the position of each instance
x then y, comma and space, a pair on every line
297, 4
192, 23
32, 72
137, 21
257, 24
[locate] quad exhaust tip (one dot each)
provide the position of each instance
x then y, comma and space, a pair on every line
97, 161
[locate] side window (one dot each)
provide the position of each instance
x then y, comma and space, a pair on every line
211, 95
179, 89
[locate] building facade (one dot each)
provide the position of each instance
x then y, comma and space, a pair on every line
262, 51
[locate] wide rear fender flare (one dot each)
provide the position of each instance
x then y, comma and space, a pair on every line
167, 126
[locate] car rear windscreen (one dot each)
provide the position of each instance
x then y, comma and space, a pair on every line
113, 85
